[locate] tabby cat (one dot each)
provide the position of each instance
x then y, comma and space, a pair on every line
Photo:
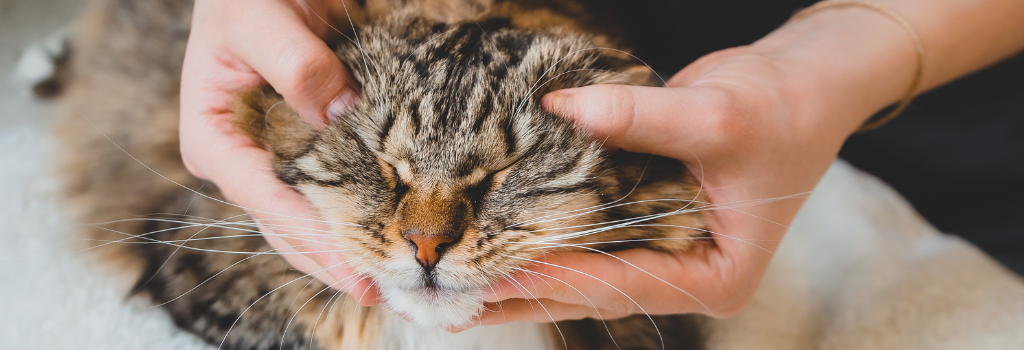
445, 176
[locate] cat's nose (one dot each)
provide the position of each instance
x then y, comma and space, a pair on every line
428, 247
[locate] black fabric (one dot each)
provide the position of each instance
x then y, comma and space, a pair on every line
957, 153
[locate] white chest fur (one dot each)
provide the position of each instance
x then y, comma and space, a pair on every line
399, 334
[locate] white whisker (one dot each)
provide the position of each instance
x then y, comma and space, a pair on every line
662, 340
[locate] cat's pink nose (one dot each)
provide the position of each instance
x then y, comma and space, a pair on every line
428, 247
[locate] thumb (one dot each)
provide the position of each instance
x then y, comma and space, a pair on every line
300, 66
658, 120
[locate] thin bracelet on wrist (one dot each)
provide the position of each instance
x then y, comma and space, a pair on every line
918, 49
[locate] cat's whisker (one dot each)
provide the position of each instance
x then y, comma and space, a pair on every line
615, 203
278, 230
660, 338
698, 238
176, 249
516, 285
190, 201
150, 240
224, 225
221, 345
596, 309
646, 273
155, 241
367, 290
287, 326
628, 222
328, 287
595, 209
620, 224
378, 85
599, 225
209, 279
266, 121
185, 240
526, 291
546, 245
722, 235
358, 277
328, 24
251, 210
328, 306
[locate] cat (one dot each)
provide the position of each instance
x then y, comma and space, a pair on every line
444, 177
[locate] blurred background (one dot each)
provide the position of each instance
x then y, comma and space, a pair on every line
957, 153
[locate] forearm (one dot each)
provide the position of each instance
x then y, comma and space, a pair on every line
960, 37
848, 62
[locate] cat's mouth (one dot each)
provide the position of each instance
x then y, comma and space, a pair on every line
435, 306
433, 288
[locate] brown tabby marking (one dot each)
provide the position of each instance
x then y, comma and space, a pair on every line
449, 110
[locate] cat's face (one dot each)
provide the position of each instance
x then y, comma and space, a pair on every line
447, 176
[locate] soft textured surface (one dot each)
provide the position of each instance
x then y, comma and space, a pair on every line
53, 295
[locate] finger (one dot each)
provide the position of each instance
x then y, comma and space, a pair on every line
541, 310
288, 221
658, 120
296, 62
633, 281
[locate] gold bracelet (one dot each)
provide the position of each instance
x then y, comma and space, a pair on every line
918, 48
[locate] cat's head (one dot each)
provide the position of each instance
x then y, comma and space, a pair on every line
447, 176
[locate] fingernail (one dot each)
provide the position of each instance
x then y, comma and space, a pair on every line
556, 101
341, 104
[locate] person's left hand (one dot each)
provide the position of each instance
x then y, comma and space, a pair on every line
759, 125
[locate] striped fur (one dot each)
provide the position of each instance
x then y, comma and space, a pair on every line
448, 137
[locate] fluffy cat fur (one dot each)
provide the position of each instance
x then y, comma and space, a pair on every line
447, 139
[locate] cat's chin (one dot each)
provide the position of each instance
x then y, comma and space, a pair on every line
435, 307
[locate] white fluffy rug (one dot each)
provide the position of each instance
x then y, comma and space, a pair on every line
52, 295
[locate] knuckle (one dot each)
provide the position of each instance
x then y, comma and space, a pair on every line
619, 108
729, 119
307, 70
191, 167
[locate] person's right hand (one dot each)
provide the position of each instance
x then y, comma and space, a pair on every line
238, 44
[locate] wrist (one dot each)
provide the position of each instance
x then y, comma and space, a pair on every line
841, 65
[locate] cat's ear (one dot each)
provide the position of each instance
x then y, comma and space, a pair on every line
263, 116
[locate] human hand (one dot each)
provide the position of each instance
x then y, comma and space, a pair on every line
236, 45
758, 125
